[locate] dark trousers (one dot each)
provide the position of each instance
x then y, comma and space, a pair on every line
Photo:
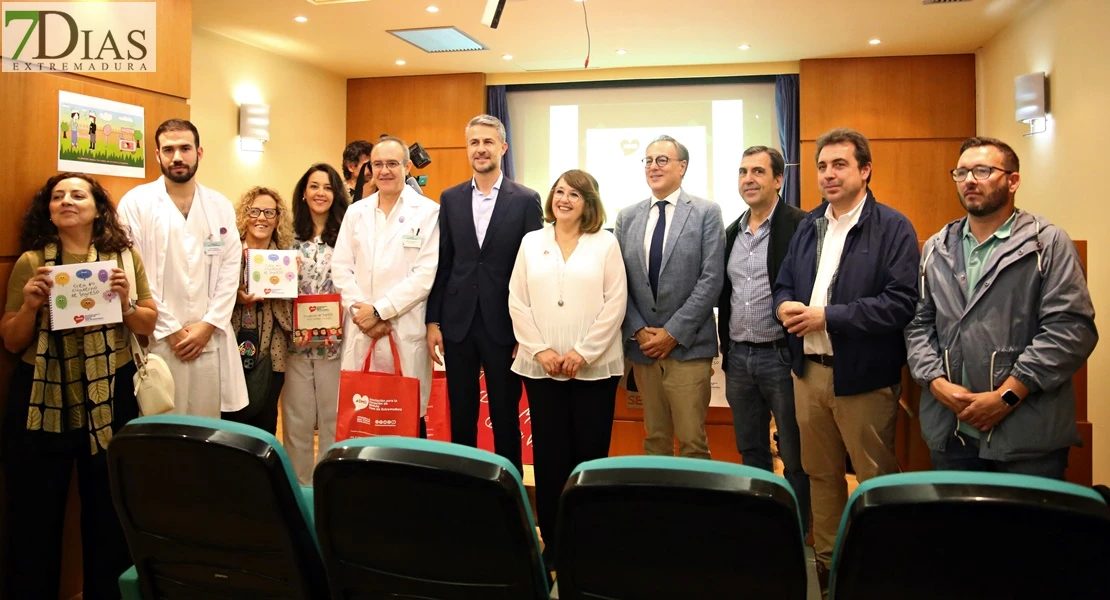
463, 361
38, 467
965, 457
263, 417
572, 422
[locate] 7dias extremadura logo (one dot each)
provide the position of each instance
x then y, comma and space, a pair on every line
80, 37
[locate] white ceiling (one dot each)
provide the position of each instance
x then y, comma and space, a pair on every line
350, 39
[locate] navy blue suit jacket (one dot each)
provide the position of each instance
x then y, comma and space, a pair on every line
469, 276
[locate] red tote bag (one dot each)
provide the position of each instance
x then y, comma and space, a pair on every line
372, 403
438, 417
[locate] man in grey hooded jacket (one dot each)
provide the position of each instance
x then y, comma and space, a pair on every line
1003, 322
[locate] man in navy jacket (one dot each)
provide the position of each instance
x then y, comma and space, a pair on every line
481, 223
845, 293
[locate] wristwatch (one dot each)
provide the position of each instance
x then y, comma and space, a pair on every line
130, 310
376, 315
1010, 397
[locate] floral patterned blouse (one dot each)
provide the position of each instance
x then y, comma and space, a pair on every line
315, 279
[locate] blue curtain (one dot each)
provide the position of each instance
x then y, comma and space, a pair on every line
786, 104
497, 104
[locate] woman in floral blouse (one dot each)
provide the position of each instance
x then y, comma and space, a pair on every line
312, 372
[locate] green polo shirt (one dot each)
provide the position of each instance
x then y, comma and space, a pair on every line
976, 256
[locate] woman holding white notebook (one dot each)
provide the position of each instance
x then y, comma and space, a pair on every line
72, 390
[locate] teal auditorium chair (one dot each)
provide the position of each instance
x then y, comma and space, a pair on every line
655, 528
962, 535
420, 519
211, 509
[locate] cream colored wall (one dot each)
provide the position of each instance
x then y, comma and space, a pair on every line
1061, 169
308, 115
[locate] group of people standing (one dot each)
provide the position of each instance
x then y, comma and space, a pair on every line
817, 313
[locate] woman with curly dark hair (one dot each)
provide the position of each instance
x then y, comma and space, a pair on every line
312, 374
71, 392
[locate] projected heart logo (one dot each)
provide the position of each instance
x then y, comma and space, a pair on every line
630, 146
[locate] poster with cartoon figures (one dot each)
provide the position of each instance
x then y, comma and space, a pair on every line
82, 296
272, 273
101, 137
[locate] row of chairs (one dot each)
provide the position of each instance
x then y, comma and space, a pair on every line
212, 510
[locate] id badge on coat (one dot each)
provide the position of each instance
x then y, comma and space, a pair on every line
411, 241
213, 247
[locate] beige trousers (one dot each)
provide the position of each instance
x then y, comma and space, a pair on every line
676, 399
862, 425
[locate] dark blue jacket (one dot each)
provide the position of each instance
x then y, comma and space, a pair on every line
470, 276
873, 296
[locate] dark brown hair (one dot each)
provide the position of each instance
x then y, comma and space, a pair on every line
303, 226
843, 135
1010, 160
593, 213
108, 234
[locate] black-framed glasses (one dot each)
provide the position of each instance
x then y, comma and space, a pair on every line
269, 213
978, 173
392, 165
661, 161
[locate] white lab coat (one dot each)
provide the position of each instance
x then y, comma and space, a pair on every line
145, 209
394, 274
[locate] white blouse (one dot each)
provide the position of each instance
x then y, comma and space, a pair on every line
593, 292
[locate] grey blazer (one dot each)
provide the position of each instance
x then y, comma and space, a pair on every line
690, 277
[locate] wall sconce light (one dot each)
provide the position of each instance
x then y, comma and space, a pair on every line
254, 126
1031, 101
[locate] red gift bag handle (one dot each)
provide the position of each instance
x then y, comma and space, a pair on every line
396, 356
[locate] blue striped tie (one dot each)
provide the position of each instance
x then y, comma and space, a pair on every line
655, 253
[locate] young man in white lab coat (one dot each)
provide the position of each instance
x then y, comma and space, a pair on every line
384, 265
187, 236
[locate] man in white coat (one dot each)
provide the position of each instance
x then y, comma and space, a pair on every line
187, 236
384, 265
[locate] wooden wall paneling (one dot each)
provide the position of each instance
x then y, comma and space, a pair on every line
903, 97
28, 163
432, 109
908, 175
175, 53
449, 167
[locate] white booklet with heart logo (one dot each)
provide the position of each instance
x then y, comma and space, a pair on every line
272, 273
82, 296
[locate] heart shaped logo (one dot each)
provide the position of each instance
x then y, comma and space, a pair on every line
266, 291
312, 309
630, 146
361, 402
78, 318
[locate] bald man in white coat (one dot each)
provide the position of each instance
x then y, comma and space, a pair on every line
384, 265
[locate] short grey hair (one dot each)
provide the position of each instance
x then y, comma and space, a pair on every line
490, 121
683, 153
400, 142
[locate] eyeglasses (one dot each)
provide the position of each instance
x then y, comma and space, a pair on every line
662, 161
978, 173
268, 212
392, 165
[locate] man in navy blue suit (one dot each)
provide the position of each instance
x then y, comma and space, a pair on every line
481, 223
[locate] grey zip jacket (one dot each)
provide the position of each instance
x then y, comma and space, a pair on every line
1030, 316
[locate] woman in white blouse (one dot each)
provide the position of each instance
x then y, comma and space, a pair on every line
567, 300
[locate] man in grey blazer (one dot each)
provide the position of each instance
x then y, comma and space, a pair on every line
673, 246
